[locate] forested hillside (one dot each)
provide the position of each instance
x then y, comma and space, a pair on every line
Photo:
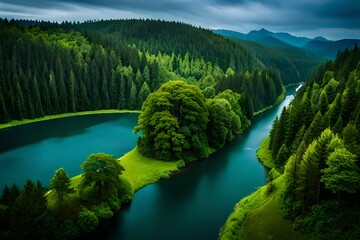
294, 64
316, 142
49, 68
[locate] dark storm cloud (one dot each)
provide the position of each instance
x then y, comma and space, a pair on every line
331, 18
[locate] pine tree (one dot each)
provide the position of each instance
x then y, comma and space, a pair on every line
60, 183
143, 94
133, 97
72, 92
53, 93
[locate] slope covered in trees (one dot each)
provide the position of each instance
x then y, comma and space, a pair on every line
316, 143
48, 68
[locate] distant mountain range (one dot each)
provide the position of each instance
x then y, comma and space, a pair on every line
319, 45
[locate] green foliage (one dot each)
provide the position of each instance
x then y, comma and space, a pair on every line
322, 174
61, 184
180, 163
341, 173
126, 191
282, 156
87, 220
28, 212
170, 117
101, 174
102, 210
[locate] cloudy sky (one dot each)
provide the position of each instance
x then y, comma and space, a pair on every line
333, 19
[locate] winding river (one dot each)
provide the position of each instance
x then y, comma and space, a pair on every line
193, 204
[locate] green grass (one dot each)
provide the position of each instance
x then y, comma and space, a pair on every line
14, 123
141, 171
258, 217
264, 154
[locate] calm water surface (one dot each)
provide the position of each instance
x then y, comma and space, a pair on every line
193, 204
34, 151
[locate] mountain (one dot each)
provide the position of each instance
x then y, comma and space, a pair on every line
294, 64
329, 49
321, 46
261, 35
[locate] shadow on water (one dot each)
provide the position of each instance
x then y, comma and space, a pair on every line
26, 134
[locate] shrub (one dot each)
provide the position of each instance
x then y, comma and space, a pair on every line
114, 203
102, 210
87, 220
180, 164
126, 191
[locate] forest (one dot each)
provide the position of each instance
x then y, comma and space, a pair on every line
196, 91
316, 144
50, 68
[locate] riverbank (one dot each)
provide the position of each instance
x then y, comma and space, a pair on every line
139, 172
279, 99
14, 123
258, 216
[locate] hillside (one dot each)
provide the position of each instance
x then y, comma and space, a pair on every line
315, 147
294, 64
49, 68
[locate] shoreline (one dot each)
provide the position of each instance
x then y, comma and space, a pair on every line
14, 123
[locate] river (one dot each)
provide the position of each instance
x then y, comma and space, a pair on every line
193, 204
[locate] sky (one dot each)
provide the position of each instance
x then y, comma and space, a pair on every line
333, 19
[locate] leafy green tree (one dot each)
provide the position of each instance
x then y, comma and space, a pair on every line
170, 116
102, 171
341, 173
60, 183
351, 138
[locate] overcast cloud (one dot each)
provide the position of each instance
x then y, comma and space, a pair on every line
333, 19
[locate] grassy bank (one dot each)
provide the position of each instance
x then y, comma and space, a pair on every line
139, 171
14, 123
258, 215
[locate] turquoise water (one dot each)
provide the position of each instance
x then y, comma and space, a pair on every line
34, 151
193, 204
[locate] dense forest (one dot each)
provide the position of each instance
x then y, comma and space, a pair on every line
49, 68
196, 98
316, 143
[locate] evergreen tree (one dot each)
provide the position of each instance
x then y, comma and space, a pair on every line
60, 183
143, 94
133, 97
73, 90
53, 93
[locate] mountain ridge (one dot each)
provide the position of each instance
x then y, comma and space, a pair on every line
319, 45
